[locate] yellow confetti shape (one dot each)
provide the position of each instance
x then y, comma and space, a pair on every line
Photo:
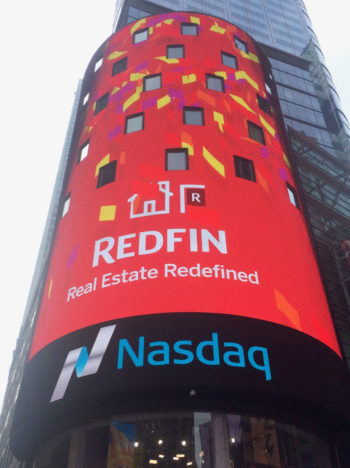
133, 98
268, 127
150, 30
287, 309
250, 56
169, 21
116, 54
194, 19
217, 165
216, 28
115, 90
50, 289
137, 25
223, 74
107, 213
191, 78
168, 60
219, 118
137, 76
286, 160
188, 146
102, 163
158, 25
241, 102
163, 101
242, 75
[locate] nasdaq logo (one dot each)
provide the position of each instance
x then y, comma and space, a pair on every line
82, 362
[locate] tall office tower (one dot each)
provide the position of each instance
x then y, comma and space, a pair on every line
178, 317
309, 101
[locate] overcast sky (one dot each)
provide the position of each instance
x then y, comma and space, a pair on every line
46, 46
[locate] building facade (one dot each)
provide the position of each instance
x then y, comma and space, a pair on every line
179, 318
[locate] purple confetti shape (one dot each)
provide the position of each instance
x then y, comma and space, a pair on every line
231, 76
228, 86
178, 69
283, 173
114, 132
119, 95
264, 152
119, 108
72, 257
141, 66
149, 103
176, 93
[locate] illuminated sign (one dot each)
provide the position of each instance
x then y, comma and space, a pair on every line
182, 259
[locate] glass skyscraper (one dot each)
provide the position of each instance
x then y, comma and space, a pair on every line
308, 98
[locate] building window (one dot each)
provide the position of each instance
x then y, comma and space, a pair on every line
268, 89
216, 83
66, 204
175, 51
98, 64
119, 66
229, 60
134, 123
141, 36
106, 174
86, 98
193, 116
244, 168
176, 159
256, 133
189, 29
293, 197
83, 151
241, 45
264, 104
101, 103
152, 82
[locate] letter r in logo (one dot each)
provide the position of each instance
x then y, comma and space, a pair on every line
83, 363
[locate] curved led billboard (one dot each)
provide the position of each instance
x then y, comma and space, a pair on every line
182, 259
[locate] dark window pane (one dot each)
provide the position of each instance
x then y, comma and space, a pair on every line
256, 133
189, 29
152, 82
264, 104
83, 151
176, 159
293, 197
134, 123
229, 60
241, 45
216, 83
193, 116
101, 103
175, 51
120, 66
140, 36
244, 168
59, 455
96, 450
106, 174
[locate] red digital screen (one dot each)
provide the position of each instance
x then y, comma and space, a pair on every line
180, 196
